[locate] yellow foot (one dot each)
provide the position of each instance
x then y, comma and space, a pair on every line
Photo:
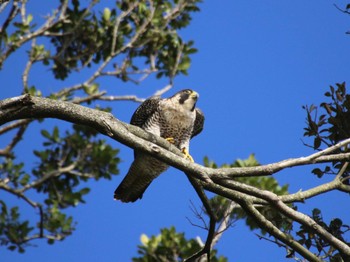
187, 155
171, 140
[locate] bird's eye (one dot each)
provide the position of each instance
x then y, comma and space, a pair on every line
188, 91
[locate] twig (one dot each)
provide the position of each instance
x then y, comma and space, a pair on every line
212, 221
13, 13
342, 170
163, 90
28, 67
14, 125
122, 98
341, 10
225, 224
6, 151
4, 5
117, 23
89, 98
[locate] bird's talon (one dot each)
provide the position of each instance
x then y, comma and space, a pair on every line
187, 155
171, 140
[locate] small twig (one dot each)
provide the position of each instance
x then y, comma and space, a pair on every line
41, 213
177, 62
341, 10
13, 13
163, 90
28, 67
212, 221
330, 149
23, 11
6, 151
47, 176
14, 125
117, 23
122, 98
278, 243
3, 5
86, 99
225, 224
342, 170
63, 9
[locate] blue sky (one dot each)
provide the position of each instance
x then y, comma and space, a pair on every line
258, 63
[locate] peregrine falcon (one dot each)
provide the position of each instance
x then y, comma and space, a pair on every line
177, 120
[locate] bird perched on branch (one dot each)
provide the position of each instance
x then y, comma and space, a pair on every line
177, 120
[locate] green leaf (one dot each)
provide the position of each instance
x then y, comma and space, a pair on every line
185, 63
45, 134
106, 14
25, 179
29, 19
56, 134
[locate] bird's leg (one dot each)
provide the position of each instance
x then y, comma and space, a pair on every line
171, 140
187, 154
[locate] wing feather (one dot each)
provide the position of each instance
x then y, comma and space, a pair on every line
145, 111
198, 123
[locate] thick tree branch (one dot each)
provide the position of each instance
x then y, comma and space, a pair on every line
28, 107
215, 180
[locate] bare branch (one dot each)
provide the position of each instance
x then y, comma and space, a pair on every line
14, 125
225, 224
122, 98
13, 13
7, 150
212, 221
88, 98
28, 67
4, 5
341, 10
342, 170
163, 90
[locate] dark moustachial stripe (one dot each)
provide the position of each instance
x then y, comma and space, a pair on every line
183, 97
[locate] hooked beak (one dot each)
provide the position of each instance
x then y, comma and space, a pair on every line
194, 95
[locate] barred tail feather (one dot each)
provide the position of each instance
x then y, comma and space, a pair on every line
142, 172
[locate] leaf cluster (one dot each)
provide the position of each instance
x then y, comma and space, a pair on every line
328, 124
13, 231
311, 240
72, 159
65, 162
138, 30
169, 246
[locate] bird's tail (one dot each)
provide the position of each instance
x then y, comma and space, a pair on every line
140, 175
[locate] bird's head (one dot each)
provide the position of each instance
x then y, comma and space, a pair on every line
186, 98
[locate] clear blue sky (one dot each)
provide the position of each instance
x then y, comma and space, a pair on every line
258, 63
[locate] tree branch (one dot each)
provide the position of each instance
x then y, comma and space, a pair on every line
28, 107
215, 180
212, 221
